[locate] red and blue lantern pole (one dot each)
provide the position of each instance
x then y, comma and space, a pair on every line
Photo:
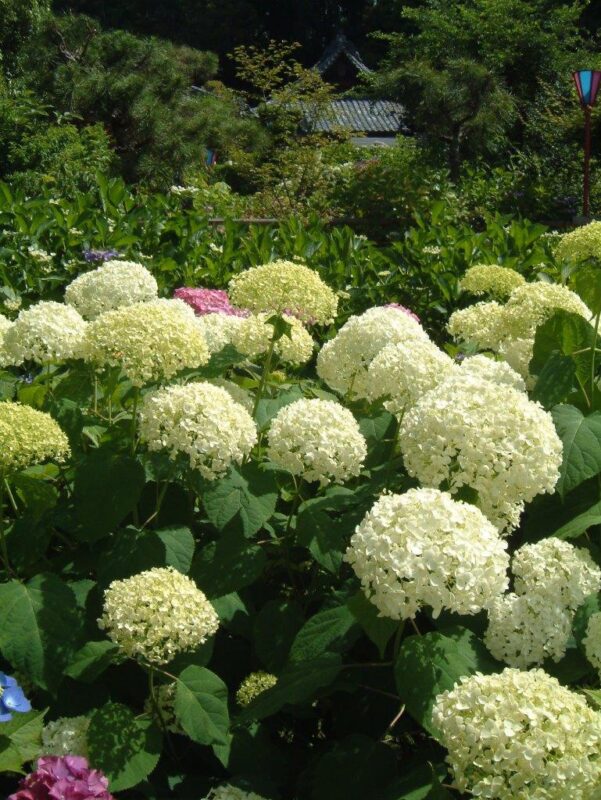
587, 85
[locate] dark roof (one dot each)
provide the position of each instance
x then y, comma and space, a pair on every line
365, 116
340, 45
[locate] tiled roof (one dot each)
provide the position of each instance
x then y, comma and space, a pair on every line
364, 116
338, 46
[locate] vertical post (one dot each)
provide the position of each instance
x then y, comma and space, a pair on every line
587, 161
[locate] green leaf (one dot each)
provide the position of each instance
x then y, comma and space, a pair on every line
555, 381
276, 626
201, 706
333, 629
107, 488
586, 281
131, 551
91, 661
179, 547
355, 768
580, 524
379, 629
581, 437
326, 538
38, 495
423, 783
227, 565
566, 334
269, 407
594, 697
246, 496
428, 665
298, 683
125, 747
39, 627
379, 431
20, 740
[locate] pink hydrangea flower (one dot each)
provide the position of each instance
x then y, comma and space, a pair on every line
63, 778
404, 309
209, 301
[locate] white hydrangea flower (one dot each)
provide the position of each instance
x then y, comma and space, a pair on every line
342, 362
592, 641
319, 440
424, 549
580, 244
219, 330
491, 279
149, 341
5, 324
44, 333
469, 432
520, 736
489, 369
481, 325
112, 285
285, 287
28, 437
236, 392
157, 614
518, 354
253, 685
404, 371
201, 421
526, 629
531, 304
229, 792
66, 736
252, 335
557, 569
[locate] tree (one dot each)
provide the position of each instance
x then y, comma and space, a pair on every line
18, 20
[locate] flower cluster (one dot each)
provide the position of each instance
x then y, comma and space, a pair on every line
480, 325
580, 244
5, 324
319, 440
66, 736
285, 287
112, 285
29, 437
520, 736
491, 279
592, 640
253, 685
551, 579
58, 777
491, 438
404, 371
229, 792
404, 309
533, 303
488, 369
43, 333
12, 698
219, 330
157, 614
236, 392
92, 256
200, 421
423, 548
252, 337
343, 361
208, 301
149, 341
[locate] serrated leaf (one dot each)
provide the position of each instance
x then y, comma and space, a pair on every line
246, 496
379, 629
125, 747
132, 551
91, 661
227, 565
332, 629
566, 334
201, 706
107, 488
20, 740
269, 407
430, 664
39, 627
297, 683
581, 437
586, 281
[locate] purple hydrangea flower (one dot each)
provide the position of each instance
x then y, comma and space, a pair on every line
100, 255
12, 698
63, 778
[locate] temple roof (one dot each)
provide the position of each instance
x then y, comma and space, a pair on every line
365, 116
340, 45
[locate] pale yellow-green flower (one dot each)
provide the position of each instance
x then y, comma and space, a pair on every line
481, 325
66, 736
489, 369
285, 287
112, 285
200, 421
253, 685
592, 641
491, 279
157, 614
5, 324
424, 549
531, 304
43, 333
229, 792
151, 341
252, 336
520, 736
29, 437
580, 244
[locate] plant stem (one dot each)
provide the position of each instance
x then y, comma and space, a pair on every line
597, 318
134, 420
158, 711
3, 547
398, 636
265, 373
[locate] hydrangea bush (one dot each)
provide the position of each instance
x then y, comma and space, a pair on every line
238, 565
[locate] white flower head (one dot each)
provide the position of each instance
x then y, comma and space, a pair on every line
44, 333
112, 285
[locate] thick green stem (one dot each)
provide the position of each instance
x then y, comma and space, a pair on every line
158, 711
398, 638
265, 373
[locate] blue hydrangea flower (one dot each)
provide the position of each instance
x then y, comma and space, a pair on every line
12, 698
